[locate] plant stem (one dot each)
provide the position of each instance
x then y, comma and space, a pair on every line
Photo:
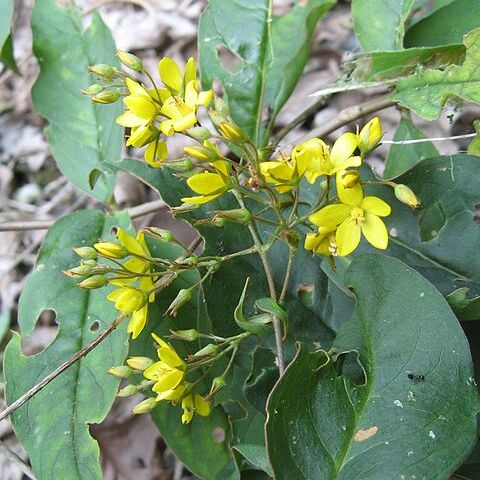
291, 255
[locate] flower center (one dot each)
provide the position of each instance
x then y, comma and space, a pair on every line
357, 215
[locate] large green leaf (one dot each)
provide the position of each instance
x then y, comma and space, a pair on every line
5, 21
401, 158
270, 53
83, 136
446, 25
53, 425
380, 24
427, 91
413, 413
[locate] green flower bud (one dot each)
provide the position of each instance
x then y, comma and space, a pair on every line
238, 215
187, 335
217, 384
97, 281
203, 154
183, 297
80, 271
140, 363
159, 234
111, 249
93, 89
406, 195
182, 165
122, 371
144, 407
370, 135
106, 97
86, 252
104, 72
90, 262
232, 133
128, 391
209, 350
130, 61
199, 133
217, 117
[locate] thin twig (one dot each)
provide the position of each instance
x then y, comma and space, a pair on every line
73, 359
12, 456
134, 212
288, 272
423, 140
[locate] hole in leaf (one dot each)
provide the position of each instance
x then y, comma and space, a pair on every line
305, 293
348, 365
476, 214
43, 336
218, 434
230, 61
94, 326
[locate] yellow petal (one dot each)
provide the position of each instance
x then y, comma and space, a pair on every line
375, 231
160, 341
348, 163
130, 243
190, 72
206, 183
167, 127
139, 135
376, 206
169, 356
134, 87
138, 321
349, 196
141, 106
128, 119
221, 167
156, 153
172, 395
200, 200
202, 407
191, 94
347, 237
182, 123
204, 98
170, 74
169, 380
330, 216
343, 147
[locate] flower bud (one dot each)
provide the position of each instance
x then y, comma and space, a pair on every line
80, 271
203, 154
213, 221
159, 234
217, 384
86, 252
209, 350
183, 297
92, 89
122, 371
221, 106
128, 391
128, 300
232, 133
238, 215
370, 135
199, 133
90, 262
187, 335
140, 363
183, 165
144, 407
130, 61
104, 72
406, 195
106, 97
217, 117
111, 250
349, 178
97, 281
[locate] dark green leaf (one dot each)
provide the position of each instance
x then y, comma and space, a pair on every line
445, 26
380, 24
474, 146
5, 21
255, 455
400, 158
6, 55
83, 136
257, 57
410, 417
54, 425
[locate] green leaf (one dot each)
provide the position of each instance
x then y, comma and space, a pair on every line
54, 425
427, 92
380, 24
474, 146
83, 136
377, 66
255, 455
5, 21
394, 422
270, 54
6, 55
401, 158
446, 25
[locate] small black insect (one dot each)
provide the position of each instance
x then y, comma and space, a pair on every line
416, 377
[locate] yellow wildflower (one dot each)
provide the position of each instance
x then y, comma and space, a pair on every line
370, 135
127, 299
321, 242
209, 185
283, 173
194, 403
355, 215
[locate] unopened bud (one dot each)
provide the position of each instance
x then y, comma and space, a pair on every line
111, 250
159, 234
217, 384
86, 252
203, 154
199, 133
183, 165
183, 297
232, 133
213, 221
80, 271
238, 215
187, 335
128, 391
104, 72
144, 407
130, 61
209, 350
92, 89
217, 117
106, 97
221, 106
90, 262
97, 281
406, 195
349, 178
370, 135
140, 363
122, 371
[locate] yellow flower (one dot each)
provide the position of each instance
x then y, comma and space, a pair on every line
209, 185
192, 404
111, 249
284, 174
370, 135
127, 299
142, 110
156, 153
168, 373
355, 215
321, 242
315, 158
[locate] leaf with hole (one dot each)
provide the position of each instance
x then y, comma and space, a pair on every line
406, 414
54, 425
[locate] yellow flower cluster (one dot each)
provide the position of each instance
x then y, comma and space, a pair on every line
151, 113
